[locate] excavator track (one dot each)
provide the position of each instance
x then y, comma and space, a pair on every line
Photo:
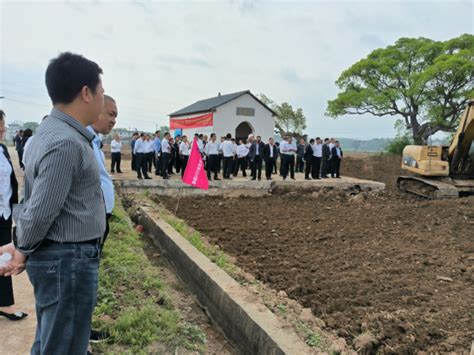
432, 189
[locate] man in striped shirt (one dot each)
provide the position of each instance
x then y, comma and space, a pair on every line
63, 218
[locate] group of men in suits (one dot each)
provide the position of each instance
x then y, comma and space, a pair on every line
317, 159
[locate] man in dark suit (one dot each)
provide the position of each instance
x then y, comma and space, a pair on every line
325, 159
336, 157
256, 154
269, 154
308, 157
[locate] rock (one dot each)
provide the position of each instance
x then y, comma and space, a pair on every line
365, 344
444, 278
282, 294
306, 315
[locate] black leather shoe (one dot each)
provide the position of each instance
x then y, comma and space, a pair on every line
14, 316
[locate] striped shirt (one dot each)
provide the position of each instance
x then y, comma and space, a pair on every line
63, 197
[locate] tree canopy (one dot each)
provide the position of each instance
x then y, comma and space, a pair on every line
289, 121
426, 82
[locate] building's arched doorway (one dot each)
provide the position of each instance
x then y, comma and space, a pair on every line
243, 130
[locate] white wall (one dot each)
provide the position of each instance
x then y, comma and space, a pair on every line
226, 119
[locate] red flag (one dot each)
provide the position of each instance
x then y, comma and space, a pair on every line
194, 174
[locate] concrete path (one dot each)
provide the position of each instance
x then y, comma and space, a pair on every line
17, 337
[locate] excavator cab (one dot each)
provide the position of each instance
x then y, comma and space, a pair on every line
439, 171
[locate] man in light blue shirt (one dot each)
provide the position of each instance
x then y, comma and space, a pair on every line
104, 125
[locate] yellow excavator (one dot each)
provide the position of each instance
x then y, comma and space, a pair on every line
442, 171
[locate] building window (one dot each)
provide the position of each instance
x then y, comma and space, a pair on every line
245, 111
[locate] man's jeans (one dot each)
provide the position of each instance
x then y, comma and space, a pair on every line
65, 280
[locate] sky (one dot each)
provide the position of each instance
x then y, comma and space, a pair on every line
160, 56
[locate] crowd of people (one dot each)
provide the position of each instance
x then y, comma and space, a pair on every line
316, 158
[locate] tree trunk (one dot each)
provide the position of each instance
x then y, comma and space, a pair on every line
416, 132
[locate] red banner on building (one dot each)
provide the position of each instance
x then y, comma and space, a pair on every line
193, 122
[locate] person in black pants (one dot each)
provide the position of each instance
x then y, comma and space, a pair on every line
336, 157
325, 159
6, 287
300, 151
141, 158
316, 159
115, 148
256, 155
19, 147
135, 136
165, 155
308, 157
269, 156
277, 154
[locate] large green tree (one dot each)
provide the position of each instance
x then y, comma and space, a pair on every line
289, 121
426, 82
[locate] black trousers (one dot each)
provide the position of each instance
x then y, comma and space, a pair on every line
299, 164
324, 167
219, 163
170, 164
6, 286
288, 165
307, 168
149, 160
165, 158
141, 165
240, 163
116, 159
157, 164
335, 167
227, 167
20, 158
257, 167
177, 164
184, 163
212, 162
315, 167
275, 165
134, 162
269, 167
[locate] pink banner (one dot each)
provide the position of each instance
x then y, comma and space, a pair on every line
194, 174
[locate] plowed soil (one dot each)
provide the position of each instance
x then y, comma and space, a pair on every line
390, 265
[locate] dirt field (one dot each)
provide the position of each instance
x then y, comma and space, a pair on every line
393, 266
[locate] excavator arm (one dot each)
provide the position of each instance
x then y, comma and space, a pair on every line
458, 151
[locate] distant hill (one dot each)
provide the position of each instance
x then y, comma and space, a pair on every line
361, 145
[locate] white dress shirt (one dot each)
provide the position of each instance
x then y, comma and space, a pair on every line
272, 148
184, 148
317, 150
149, 148
165, 146
115, 146
242, 151
6, 189
227, 149
212, 148
140, 146
288, 148
200, 145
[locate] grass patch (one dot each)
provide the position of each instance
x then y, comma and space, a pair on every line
218, 257
133, 305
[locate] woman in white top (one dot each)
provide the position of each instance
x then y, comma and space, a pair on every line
116, 149
8, 196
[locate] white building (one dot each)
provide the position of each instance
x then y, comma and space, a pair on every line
239, 114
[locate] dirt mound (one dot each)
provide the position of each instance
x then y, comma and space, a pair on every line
397, 270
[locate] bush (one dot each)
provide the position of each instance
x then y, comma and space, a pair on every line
396, 146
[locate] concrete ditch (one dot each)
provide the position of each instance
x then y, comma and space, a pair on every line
239, 315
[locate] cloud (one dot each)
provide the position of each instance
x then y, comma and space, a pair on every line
185, 60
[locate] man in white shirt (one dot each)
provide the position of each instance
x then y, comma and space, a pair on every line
228, 153
184, 153
140, 150
317, 156
149, 152
165, 155
241, 152
116, 152
288, 152
212, 153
